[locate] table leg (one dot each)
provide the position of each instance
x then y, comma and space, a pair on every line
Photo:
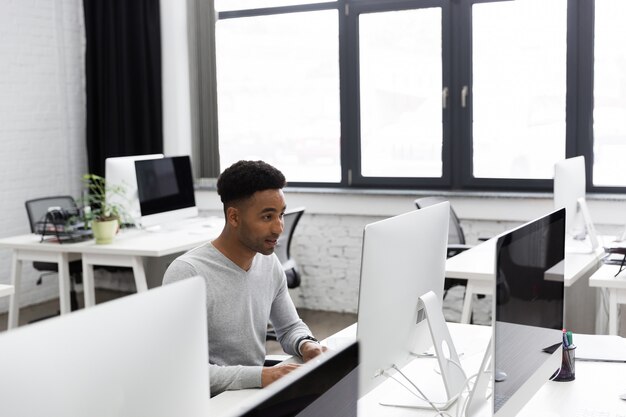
14, 300
139, 273
88, 284
612, 311
64, 283
467, 303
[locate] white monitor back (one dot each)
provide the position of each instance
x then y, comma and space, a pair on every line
403, 258
120, 171
142, 355
569, 186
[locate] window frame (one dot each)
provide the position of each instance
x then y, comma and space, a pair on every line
457, 146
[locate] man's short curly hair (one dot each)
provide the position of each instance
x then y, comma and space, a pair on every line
244, 178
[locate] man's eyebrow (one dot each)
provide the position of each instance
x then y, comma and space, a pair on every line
272, 210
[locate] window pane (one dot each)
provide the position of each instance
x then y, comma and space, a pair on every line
228, 5
609, 114
519, 83
401, 81
278, 93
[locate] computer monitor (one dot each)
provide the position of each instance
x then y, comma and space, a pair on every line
120, 172
325, 386
144, 354
569, 192
529, 310
165, 188
528, 318
403, 258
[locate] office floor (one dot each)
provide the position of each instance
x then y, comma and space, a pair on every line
322, 323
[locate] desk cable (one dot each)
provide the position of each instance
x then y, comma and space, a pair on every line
421, 395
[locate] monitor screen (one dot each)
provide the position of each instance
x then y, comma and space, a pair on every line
120, 172
141, 355
326, 386
403, 258
528, 309
165, 188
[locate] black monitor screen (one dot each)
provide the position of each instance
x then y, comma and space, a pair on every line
529, 279
164, 184
330, 389
528, 309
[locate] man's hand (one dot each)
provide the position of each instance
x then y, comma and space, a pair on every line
273, 373
309, 350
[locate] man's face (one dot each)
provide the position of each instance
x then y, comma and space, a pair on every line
261, 220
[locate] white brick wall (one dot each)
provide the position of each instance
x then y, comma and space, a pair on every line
42, 117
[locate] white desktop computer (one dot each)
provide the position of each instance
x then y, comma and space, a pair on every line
144, 354
403, 260
569, 193
525, 349
120, 172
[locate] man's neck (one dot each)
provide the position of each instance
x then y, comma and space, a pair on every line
233, 250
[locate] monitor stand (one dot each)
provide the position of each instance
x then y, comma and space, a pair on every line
452, 373
587, 241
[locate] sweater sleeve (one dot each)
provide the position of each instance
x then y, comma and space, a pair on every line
223, 378
284, 317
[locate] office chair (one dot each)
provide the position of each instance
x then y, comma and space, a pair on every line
36, 210
291, 219
456, 237
282, 250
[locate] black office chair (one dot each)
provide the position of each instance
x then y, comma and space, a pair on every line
291, 219
456, 238
36, 210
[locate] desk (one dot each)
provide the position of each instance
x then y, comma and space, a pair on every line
605, 277
129, 248
593, 393
477, 266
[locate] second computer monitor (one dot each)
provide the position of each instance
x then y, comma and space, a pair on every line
120, 173
528, 310
403, 258
166, 191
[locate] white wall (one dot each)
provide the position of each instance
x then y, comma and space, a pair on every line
42, 117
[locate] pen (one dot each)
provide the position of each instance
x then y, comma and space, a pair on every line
569, 338
565, 343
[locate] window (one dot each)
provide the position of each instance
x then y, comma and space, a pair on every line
609, 114
465, 94
278, 93
400, 90
519, 81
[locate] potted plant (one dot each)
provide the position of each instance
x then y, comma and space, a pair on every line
100, 213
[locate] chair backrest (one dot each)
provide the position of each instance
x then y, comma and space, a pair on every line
284, 242
38, 207
455, 232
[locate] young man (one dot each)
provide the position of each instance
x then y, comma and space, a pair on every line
246, 285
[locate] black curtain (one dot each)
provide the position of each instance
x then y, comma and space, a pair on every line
123, 72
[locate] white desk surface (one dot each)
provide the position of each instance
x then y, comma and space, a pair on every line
605, 277
129, 248
478, 263
6, 290
593, 393
131, 242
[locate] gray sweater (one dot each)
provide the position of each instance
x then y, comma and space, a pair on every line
239, 304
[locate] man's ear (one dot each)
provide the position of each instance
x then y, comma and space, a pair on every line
232, 216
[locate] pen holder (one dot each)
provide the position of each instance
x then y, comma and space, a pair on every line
568, 362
